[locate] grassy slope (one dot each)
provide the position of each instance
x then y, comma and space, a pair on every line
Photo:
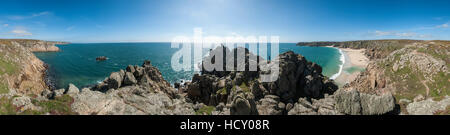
6, 66
409, 82
60, 105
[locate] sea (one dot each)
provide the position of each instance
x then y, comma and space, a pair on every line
76, 63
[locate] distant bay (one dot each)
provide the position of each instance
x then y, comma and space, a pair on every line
76, 63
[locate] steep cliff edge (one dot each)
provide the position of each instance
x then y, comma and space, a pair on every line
301, 89
22, 82
20, 69
413, 70
37, 45
375, 49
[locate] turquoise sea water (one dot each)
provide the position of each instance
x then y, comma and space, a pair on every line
76, 63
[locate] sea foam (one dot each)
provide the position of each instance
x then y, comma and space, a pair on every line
342, 59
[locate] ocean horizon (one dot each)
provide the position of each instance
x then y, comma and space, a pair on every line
76, 62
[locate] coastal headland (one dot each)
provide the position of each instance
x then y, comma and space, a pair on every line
394, 81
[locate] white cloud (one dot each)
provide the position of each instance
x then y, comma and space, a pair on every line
442, 26
5, 25
22, 17
400, 34
21, 32
382, 33
425, 36
406, 34
40, 14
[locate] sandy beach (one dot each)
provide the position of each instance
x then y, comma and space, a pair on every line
355, 63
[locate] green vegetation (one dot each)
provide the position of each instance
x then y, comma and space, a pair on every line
411, 85
410, 82
222, 91
436, 51
3, 88
7, 67
59, 106
243, 86
441, 85
6, 106
205, 110
407, 81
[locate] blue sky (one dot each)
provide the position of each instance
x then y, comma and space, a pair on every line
162, 20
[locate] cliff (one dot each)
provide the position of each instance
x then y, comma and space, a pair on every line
416, 72
38, 45
413, 70
375, 49
20, 69
409, 80
301, 89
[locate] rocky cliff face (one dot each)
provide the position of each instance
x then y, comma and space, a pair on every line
375, 49
38, 45
136, 90
20, 69
418, 70
301, 89
410, 69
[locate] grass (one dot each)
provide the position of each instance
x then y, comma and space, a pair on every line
7, 67
406, 80
6, 106
441, 85
59, 106
222, 91
3, 88
205, 110
243, 86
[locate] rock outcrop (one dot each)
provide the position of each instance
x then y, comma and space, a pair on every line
242, 90
38, 45
325, 106
375, 49
300, 90
355, 103
419, 69
20, 69
138, 90
428, 107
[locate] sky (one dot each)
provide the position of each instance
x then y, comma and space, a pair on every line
86, 21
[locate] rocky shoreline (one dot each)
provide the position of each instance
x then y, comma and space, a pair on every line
413, 70
300, 90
